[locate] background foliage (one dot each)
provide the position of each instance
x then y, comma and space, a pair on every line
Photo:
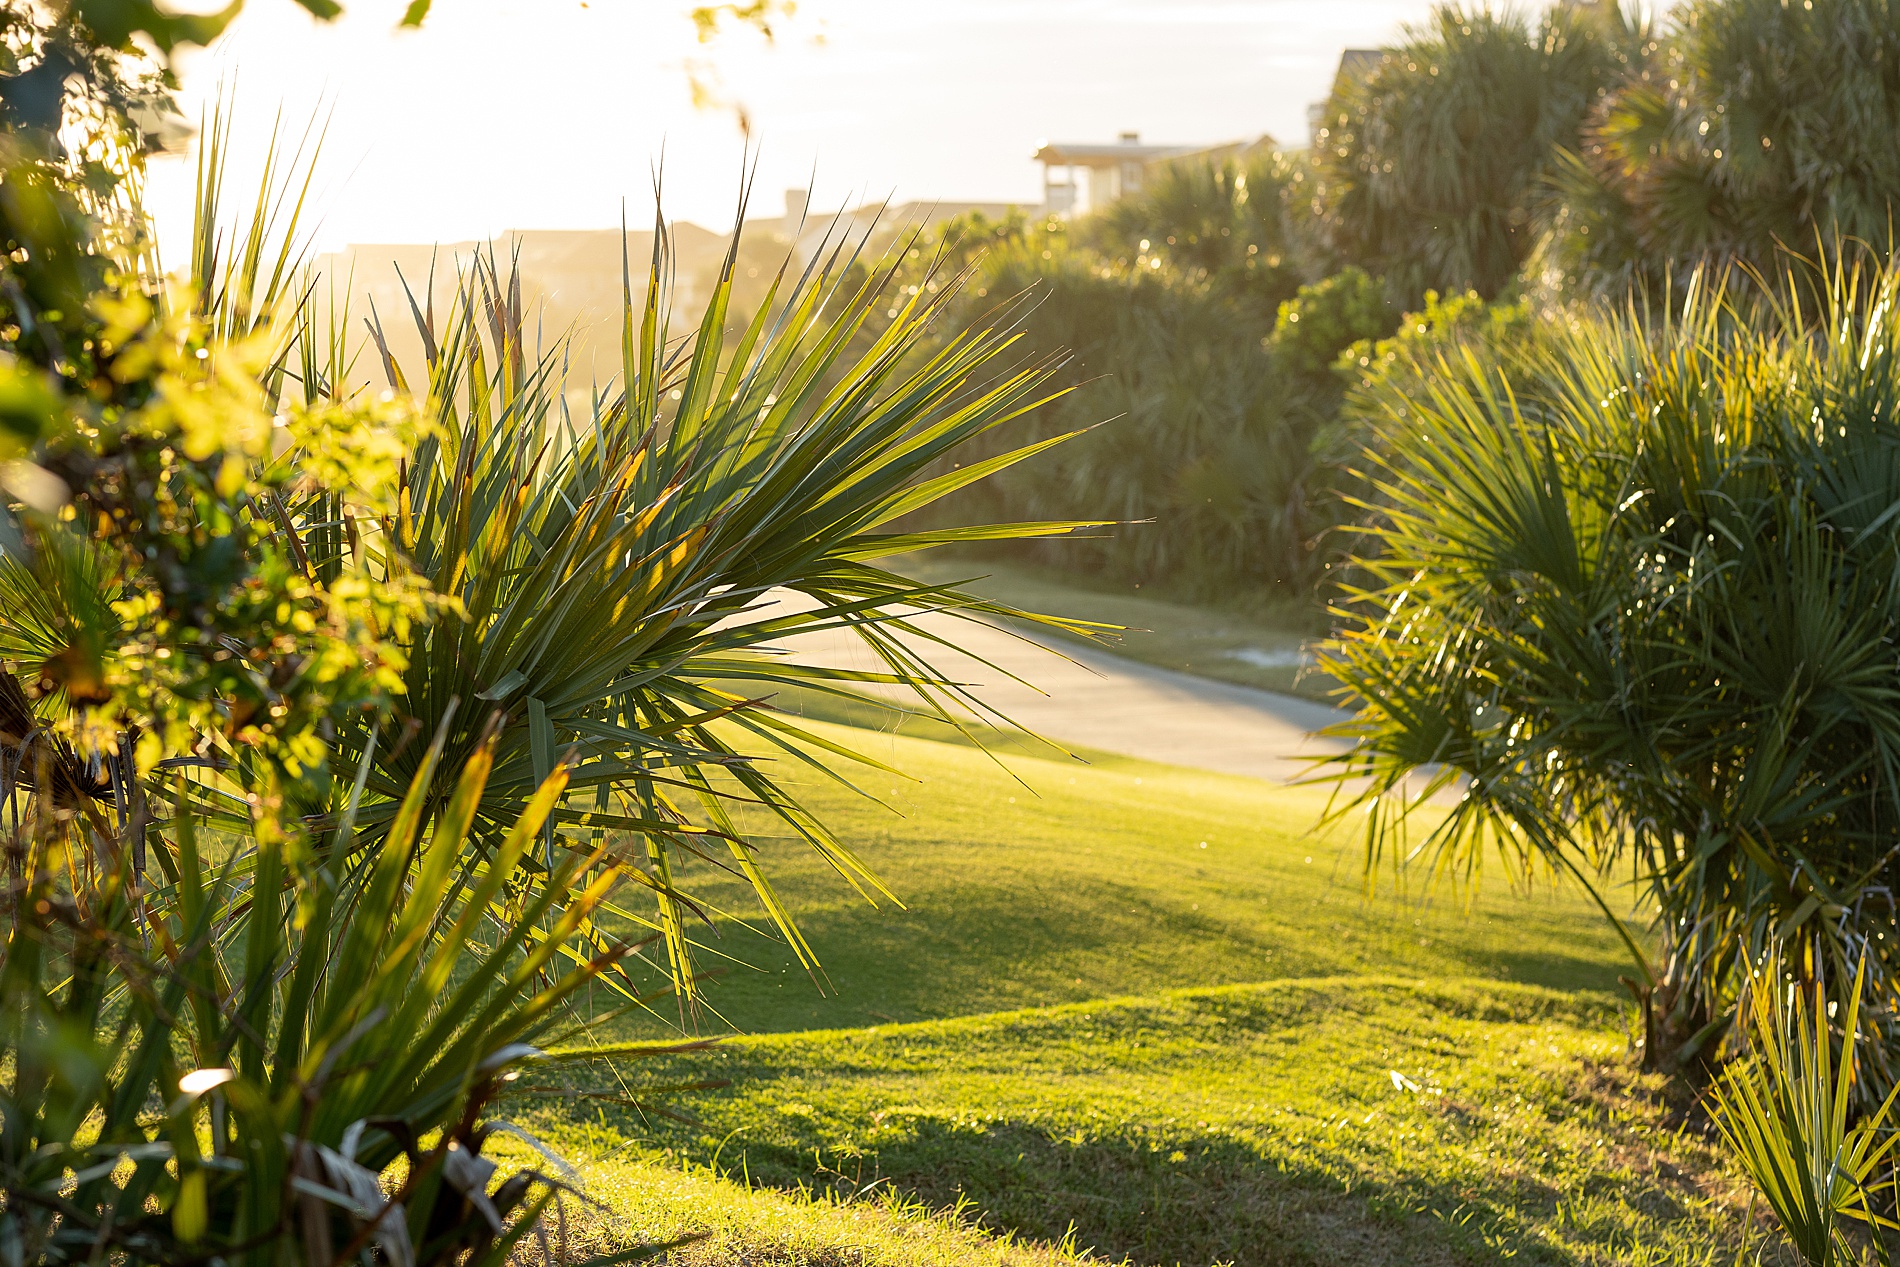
1426, 164
1531, 161
1750, 130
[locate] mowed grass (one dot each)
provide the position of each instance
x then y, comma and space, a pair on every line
1353, 1120
1028, 882
1088, 1036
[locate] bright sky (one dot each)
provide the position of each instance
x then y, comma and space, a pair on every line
543, 114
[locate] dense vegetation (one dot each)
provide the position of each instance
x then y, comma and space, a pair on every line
376, 760
1205, 357
1487, 155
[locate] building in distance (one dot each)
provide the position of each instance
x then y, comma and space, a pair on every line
1115, 170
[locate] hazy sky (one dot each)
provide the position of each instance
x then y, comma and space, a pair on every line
507, 114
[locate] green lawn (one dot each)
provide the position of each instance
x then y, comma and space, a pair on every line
1030, 881
1253, 647
1359, 1120
1088, 1031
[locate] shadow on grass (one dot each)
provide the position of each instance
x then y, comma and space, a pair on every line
1033, 940
1199, 1200
1251, 1126
1208, 1201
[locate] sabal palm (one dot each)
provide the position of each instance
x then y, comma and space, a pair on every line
617, 572
1752, 128
1428, 162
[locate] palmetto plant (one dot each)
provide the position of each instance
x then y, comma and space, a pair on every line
1790, 1114
1635, 589
612, 580
620, 575
618, 578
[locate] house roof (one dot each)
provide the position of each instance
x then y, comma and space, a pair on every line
1357, 63
1115, 152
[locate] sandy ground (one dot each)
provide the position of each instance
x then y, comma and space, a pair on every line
1100, 700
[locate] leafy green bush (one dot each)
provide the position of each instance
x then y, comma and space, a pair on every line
1324, 319
1635, 591
1381, 377
1197, 447
1421, 336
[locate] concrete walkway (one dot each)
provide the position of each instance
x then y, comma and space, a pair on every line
1099, 700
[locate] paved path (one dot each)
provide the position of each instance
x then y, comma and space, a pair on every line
1098, 700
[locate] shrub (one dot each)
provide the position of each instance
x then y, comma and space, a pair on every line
1195, 441
1324, 319
1634, 588
1443, 323
1237, 225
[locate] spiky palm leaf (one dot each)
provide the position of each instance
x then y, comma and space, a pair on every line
1788, 1114
617, 573
1637, 588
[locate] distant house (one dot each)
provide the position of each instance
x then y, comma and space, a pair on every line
805, 229
1354, 65
1114, 171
